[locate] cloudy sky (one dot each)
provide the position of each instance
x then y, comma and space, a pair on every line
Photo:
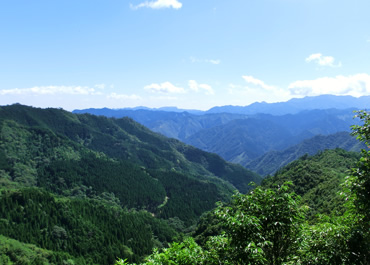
192, 54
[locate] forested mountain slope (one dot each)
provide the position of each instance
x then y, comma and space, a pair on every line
270, 162
67, 179
308, 213
127, 140
317, 179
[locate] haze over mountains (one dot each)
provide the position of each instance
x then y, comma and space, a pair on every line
271, 161
71, 181
243, 134
296, 105
291, 106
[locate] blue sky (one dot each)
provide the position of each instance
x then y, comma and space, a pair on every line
185, 53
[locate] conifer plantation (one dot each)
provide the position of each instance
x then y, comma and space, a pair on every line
82, 189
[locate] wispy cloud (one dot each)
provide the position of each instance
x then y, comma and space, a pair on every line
100, 86
194, 86
166, 87
211, 61
159, 4
353, 85
323, 60
123, 96
52, 90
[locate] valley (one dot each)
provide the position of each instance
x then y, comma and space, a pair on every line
173, 132
85, 189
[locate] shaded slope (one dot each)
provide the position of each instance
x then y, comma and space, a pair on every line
179, 125
270, 162
242, 141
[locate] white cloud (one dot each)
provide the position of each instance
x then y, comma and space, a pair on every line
198, 87
211, 61
257, 90
254, 81
323, 60
123, 96
51, 90
165, 87
159, 4
353, 85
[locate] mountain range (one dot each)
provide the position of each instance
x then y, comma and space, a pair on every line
243, 134
291, 106
86, 189
297, 105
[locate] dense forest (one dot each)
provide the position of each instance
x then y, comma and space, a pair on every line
83, 189
307, 213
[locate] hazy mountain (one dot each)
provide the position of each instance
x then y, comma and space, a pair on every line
239, 138
270, 162
179, 125
296, 105
242, 141
291, 106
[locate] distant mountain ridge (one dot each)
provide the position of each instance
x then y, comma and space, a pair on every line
296, 105
291, 106
240, 138
231, 131
241, 141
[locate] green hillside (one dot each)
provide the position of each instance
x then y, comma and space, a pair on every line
294, 217
91, 189
317, 179
124, 139
307, 213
